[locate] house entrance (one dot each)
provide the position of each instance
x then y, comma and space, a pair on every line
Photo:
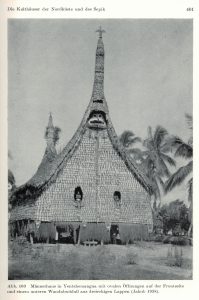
115, 234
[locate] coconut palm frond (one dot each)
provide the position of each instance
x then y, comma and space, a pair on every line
149, 166
159, 179
168, 159
145, 143
135, 150
162, 168
149, 144
125, 136
155, 188
128, 138
155, 157
184, 150
136, 139
159, 135
178, 177
190, 141
136, 153
149, 141
190, 189
174, 141
150, 134
189, 119
166, 147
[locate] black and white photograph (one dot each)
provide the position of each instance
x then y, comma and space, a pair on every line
100, 149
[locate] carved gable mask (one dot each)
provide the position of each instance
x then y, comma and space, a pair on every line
97, 120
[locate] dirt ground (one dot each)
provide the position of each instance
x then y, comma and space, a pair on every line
140, 261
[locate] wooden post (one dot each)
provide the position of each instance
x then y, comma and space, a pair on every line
22, 227
31, 239
74, 236
79, 236
56, 235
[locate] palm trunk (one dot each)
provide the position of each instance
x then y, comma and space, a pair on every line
156, 203
190, 231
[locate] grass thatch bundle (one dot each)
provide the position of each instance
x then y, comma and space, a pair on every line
94, 231
13, 229
46, 231
22, 227
131, 232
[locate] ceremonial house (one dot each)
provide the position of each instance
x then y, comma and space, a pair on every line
91, 191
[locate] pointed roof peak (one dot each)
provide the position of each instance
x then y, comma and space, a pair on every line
50, 121
98, 98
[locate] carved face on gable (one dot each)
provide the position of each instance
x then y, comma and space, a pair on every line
97, 120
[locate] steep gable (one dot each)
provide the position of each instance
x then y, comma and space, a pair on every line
52, 165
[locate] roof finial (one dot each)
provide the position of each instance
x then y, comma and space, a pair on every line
101, 31
50, 120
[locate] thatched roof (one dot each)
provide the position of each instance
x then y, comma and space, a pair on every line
52, 164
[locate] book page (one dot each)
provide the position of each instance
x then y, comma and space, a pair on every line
98, 117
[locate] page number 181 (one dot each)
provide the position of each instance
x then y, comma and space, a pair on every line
189, 9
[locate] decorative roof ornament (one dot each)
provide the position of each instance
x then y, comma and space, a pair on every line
98, 98
50, 121
101, 31
49, 136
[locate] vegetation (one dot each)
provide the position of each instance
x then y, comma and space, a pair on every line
184, 150
140, 261
174, 257
158, 152
11, 178
128, 139
153, 157
174, 218
156, 160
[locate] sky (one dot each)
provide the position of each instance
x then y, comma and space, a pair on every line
148, 80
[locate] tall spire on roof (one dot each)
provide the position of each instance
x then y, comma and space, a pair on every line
50, 121
98, 86
49, 135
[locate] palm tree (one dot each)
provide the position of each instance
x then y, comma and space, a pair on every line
11, 188
128, 139
11, 178
184, 150
156, 161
